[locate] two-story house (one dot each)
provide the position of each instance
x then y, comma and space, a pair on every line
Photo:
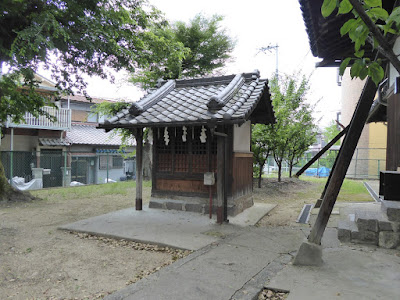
68, 149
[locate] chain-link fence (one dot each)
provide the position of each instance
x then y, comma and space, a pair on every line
365, 164
56, 168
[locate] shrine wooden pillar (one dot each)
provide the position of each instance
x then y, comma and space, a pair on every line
139, 168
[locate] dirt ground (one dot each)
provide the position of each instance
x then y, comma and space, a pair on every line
289, 195
40, 262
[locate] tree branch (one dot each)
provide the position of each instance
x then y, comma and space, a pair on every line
384, 46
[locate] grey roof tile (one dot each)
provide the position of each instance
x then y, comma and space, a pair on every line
188, 101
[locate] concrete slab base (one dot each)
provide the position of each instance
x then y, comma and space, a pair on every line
309, 254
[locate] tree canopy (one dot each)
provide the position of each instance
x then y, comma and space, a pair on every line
294, 130
207, 47
69, 38
371, 23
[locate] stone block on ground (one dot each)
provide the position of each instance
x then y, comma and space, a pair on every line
392, 210
367, 237
309, 254
367, 224
389, 239
175, 205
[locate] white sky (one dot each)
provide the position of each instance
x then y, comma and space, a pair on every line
254, 24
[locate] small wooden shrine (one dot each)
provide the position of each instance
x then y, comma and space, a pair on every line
200, 130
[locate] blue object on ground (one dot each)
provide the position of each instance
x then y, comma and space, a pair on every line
318, 172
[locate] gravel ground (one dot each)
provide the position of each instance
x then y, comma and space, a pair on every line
40, 262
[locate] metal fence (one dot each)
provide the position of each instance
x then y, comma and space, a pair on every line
365, 164
56, 168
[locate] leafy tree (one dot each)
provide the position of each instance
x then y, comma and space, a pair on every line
302, 135
371, 23
70, 38
331, 131
294, 130
260, 146
207, 48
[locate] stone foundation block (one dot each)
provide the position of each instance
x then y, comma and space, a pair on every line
367, 225
385, 226
389, 240
194, 207
368, 237
344, 235
155, 204
309, 254
174, 205
392, 210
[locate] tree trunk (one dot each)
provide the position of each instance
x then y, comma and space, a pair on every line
261, 166
279, 171
8, 193
290, 169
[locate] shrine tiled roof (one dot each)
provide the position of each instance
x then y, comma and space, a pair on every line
231, 99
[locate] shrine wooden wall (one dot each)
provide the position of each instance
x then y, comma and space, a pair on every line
242, 173
393, 139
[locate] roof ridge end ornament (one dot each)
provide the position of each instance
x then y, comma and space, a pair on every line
218, 101
138, 107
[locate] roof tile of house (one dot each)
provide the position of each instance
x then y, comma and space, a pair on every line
85, 134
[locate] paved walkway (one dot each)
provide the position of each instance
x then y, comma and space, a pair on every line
236, 262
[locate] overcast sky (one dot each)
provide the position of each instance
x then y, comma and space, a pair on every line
254, 24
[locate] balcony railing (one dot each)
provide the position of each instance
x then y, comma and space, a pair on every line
62, 122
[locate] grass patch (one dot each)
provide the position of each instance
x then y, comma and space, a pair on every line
351, 190
87, 191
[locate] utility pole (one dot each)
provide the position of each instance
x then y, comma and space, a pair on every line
269, 48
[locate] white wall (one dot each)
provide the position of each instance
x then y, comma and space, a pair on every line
21, 143
393, 73
241, 137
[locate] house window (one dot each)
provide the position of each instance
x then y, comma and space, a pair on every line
117, 162
103, 165
114, 162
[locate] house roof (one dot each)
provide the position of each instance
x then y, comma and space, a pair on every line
213, 100
53, 142
84, 134
324, 33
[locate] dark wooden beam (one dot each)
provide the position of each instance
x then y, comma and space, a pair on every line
343, 161
320, 153
220, 178
139, 168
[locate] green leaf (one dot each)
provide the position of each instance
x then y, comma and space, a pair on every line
363, 73
356, 68
345, 7
378, 13
359, 53
328, 7
373, 3
344, 65
394, 16
376, 72
350, 24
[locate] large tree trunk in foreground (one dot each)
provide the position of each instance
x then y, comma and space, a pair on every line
8, 193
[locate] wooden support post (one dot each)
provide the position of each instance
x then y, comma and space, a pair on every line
343, 161
139, 168
323, 150
220, 178
226, 176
